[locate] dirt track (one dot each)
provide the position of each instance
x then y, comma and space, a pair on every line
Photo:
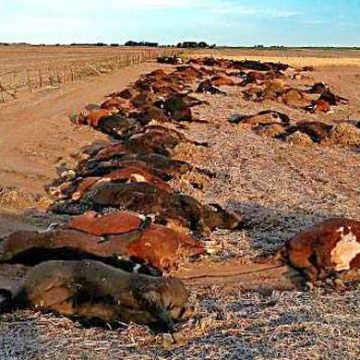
35, 136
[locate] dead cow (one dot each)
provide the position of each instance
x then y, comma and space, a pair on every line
159, 165
176, 135
178, 107
318, 131
118, 126
294, 98
333, 99
111, 238
317, 88
169, 208
91, 289
171, 60
318, 107
206, 87
330, 247
222, 81
262, 118
117, 103
77, 188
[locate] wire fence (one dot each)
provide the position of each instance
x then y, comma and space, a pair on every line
13, 83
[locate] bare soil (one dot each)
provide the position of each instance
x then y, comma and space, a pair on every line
295, 57
37, 140
16, 58
281, 189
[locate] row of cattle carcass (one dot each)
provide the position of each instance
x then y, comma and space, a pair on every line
267, 81
264, 81
128, 226
277, 125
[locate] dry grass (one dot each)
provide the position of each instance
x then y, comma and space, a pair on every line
296, 58
17, 200
296, 325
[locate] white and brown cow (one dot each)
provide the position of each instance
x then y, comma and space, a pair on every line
330, 247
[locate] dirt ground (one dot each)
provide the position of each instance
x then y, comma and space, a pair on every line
280, 188
15, 58
37, 139
294, 57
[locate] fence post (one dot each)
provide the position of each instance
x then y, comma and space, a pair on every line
58, 76
28, 79
2, 98
40, 79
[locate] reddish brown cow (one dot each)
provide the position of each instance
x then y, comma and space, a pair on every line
103, 237
294, 98
222, 81
110, 224
329, 247
117, 103
319, 107
128, 174
206, 87
109, 151
126, 94
93, 119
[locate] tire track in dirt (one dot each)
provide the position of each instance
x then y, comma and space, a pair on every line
35, 135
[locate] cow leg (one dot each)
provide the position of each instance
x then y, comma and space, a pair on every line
302, 262
97, 310
6, 301
54, 298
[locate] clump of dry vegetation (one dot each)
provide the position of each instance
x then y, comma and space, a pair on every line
12, 198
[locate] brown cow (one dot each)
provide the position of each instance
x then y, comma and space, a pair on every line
206, 87
110, 238
329, 247
77, 288
169, 208
262, 118
118, 126
318, 107
178, 106
222, 81
318, 131
175, 134
117, 103
92, 119
294, 98
127, 174
333, 99
156, 164
127, 94
317, 88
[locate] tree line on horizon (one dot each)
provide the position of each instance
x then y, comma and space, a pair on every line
130, 43
185, 45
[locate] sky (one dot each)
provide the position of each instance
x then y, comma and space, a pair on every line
224, 22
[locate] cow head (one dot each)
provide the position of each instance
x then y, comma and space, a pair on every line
215, 217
